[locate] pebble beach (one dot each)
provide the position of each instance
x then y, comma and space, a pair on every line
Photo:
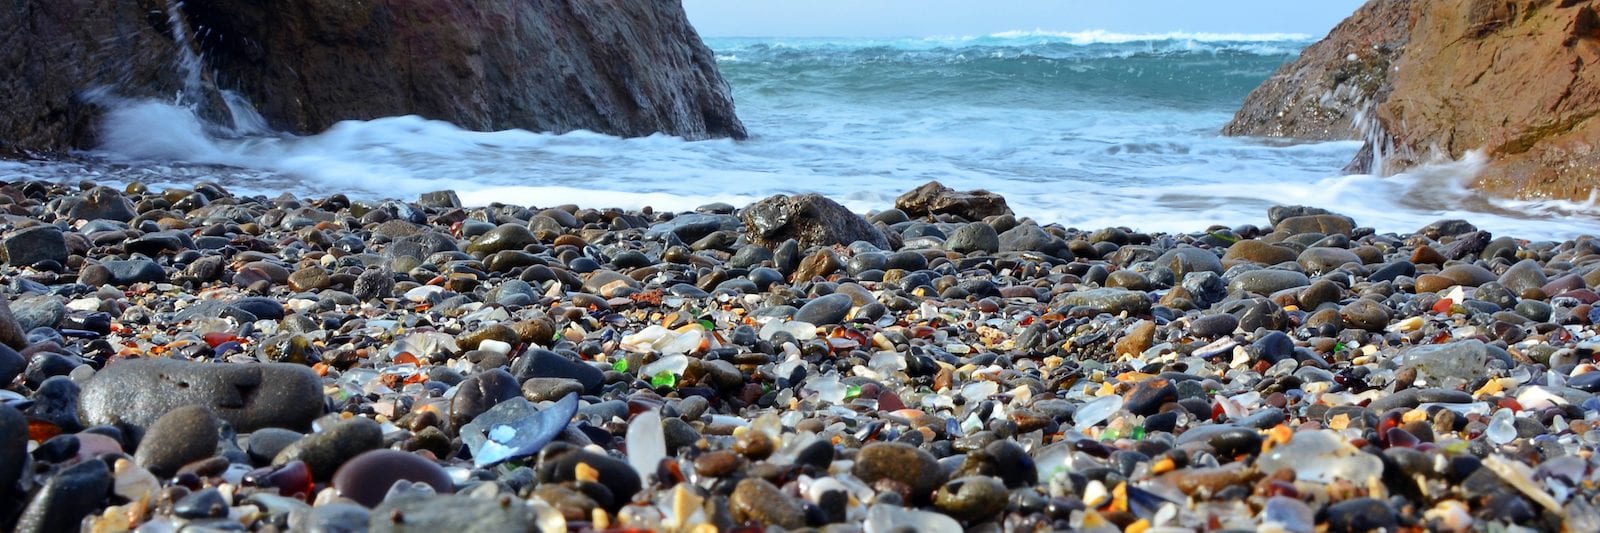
196, 360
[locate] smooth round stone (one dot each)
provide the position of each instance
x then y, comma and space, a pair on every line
503, 237
1534, 310
310, 279
549, 389
1524, 275
451, 513
481, 392
265, 444
972, 498
367, 477
1365, 314
182, 436
1148, 396
1186, 259
828, 309
1213, 326
1360, 515
1227, 440
323, 452
1467, 274
1318, 259
203, 504
262, 307
1260, 252
1128, 279
1110, 300
973, 238
1273, 347
128, 272
1586, 382
1429, 283
907, 464
1320, 292
1267, 281
756, 500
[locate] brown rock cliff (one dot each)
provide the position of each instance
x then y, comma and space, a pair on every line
1512, 78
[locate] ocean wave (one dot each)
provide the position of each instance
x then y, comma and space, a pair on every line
1110, 37
1089, 42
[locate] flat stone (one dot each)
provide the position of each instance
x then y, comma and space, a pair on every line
541, 363
1267, 281
452, 513
130, 271
1110, 300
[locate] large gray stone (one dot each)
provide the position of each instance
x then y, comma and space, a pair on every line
135, 393
35, 244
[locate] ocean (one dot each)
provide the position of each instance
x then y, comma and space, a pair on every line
1086, 129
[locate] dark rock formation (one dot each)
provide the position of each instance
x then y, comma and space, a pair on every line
1440, 78
612, 66
56, 54
933, 198
811, 219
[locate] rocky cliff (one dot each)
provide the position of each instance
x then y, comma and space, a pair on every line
54, 53
1514, 79
614, 66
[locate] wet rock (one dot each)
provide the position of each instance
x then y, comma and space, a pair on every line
829, 309
1110, 300
973, 238
933, 198
1267, 281
1148, 396
811, 219
136, 392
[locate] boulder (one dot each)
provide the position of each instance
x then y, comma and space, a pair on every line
811, 219
1513, 81
611, 66
134, 393
933, 198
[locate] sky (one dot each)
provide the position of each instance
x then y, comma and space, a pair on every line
924, 18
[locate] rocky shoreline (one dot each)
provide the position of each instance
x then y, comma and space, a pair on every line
196, 360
